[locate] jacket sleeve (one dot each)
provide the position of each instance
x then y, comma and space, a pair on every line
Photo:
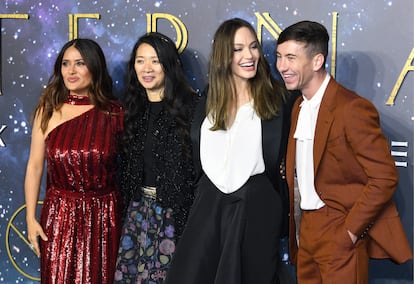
370, 148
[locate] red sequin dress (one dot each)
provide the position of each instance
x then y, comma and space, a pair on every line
82, 207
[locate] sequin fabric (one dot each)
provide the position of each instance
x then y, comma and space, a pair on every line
173, 169
81, 214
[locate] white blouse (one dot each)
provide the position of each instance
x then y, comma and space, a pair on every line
229, 157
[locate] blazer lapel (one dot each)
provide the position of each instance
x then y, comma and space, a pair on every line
271, 139
291, 149
324, 122
198, 118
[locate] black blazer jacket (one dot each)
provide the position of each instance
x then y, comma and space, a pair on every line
274, 143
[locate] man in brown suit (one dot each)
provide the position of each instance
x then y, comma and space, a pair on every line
345, 173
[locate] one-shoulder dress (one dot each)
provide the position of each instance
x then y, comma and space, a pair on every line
81, 213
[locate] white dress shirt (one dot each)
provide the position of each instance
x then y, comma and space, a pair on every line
304, 135
229, 157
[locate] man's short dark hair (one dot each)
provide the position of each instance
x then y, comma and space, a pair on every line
314, 35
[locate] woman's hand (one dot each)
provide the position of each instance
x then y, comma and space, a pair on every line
34, 231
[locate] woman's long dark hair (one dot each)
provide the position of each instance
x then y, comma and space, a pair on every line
55, 93
267, 93
178, 94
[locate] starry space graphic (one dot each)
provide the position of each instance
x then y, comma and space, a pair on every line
372, 48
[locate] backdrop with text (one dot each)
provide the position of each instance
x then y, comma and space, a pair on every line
371, 52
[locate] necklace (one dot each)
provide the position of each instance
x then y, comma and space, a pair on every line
77, 100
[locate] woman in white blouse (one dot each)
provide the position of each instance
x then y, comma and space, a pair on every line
233, 229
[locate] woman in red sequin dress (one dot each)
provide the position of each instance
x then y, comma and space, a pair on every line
77, 125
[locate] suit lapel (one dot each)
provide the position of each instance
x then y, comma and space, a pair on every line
271, 139
198, 118
291, 149
324, 122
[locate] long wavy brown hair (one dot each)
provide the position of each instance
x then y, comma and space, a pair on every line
267, 93
55, 93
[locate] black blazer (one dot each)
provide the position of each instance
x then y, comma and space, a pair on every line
274, 141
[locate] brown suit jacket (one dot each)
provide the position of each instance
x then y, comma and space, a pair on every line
354, 172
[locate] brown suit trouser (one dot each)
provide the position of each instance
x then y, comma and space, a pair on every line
326, 252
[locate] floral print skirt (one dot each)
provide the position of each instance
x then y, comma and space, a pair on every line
147, 243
